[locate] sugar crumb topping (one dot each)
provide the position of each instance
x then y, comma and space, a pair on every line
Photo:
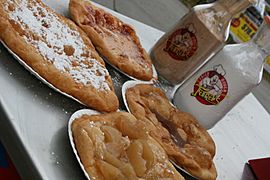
58, 43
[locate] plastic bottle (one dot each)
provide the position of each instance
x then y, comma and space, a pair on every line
194, 39
228, 77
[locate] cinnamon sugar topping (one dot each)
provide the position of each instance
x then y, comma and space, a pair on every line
57, 42
117, 36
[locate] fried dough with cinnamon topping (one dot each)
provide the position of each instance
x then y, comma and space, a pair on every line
114, 39
186, 142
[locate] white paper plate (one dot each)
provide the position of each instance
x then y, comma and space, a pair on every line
130, 84
37, 75
155, 75
75, 115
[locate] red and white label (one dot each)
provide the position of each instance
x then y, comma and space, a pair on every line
182, 44
211, 87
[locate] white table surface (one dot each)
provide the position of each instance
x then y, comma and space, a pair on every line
33, 121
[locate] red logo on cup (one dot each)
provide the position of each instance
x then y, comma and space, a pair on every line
182, 44
211, 87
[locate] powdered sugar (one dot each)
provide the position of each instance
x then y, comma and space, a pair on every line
95, 74
58, 43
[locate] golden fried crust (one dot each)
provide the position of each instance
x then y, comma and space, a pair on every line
188, 144
115, 40
26, 43
117, 146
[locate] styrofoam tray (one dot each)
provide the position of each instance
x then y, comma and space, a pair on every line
75, 115
130, 84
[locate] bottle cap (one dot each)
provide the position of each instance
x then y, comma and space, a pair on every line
236, 6
231, 3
